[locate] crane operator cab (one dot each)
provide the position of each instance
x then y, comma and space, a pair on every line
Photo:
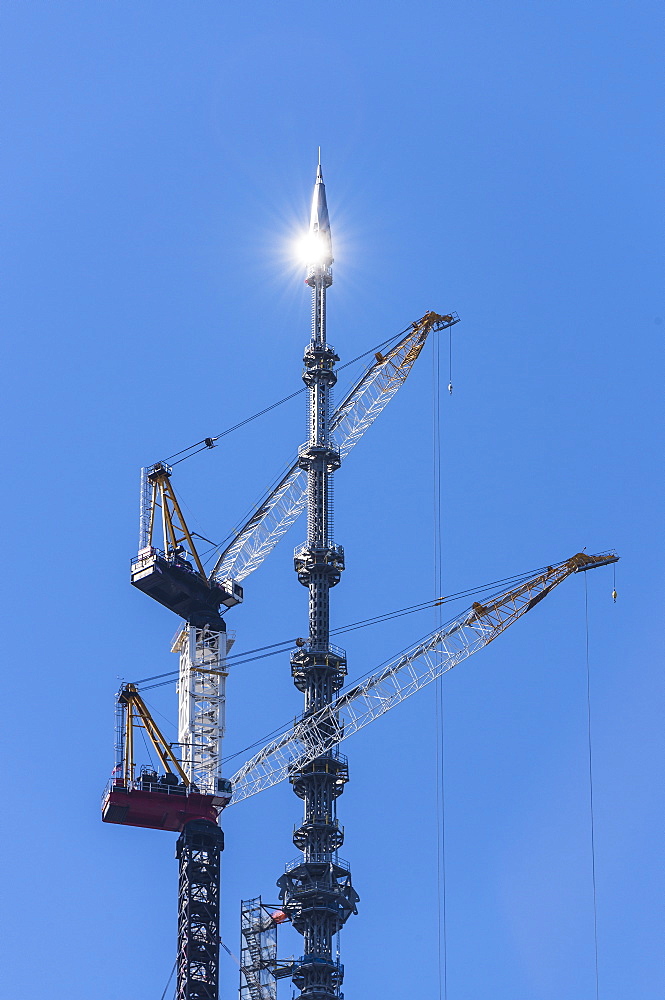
174, 575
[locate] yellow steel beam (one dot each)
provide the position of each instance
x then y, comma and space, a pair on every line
169, 497
135, 706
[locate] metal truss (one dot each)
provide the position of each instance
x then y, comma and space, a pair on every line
412, 670
198, 850
381, 381
157, 494
202, 703
371, 394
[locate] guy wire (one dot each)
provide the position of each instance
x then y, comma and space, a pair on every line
169, 981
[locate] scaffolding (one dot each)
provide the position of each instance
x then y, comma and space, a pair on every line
259, 966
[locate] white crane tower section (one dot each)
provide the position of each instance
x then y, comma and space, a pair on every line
202, 704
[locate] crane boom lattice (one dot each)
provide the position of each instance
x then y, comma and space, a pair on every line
371, 394
407, 673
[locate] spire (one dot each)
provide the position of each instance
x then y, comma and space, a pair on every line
319, 222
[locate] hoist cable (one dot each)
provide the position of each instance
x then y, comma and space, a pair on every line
208, 443
230, 953
286, 726
591, 803
155, 711
145, 744
450, 359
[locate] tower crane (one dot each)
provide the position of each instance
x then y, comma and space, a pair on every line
174, 575
171, 802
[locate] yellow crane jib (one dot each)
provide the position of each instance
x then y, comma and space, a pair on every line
399, 361
498, 614
174, 575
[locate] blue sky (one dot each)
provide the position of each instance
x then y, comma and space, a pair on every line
499, 160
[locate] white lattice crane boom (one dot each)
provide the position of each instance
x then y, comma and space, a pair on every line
371, 394
397, 680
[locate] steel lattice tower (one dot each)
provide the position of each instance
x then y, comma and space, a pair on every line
198, 849
316, 890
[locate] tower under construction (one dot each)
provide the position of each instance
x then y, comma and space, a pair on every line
316, 890
185, 791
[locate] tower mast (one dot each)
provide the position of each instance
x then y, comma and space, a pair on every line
316, 890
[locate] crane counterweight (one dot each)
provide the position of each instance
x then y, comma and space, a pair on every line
171, 581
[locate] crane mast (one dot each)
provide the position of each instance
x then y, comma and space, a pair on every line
316, 890
202, 703
201, 724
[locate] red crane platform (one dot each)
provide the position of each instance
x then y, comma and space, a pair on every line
157, 806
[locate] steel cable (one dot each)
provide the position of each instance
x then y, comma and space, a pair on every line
169, 981
202, 445
591, 803
239, 659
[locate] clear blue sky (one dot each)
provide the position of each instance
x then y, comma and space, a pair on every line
502, 160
